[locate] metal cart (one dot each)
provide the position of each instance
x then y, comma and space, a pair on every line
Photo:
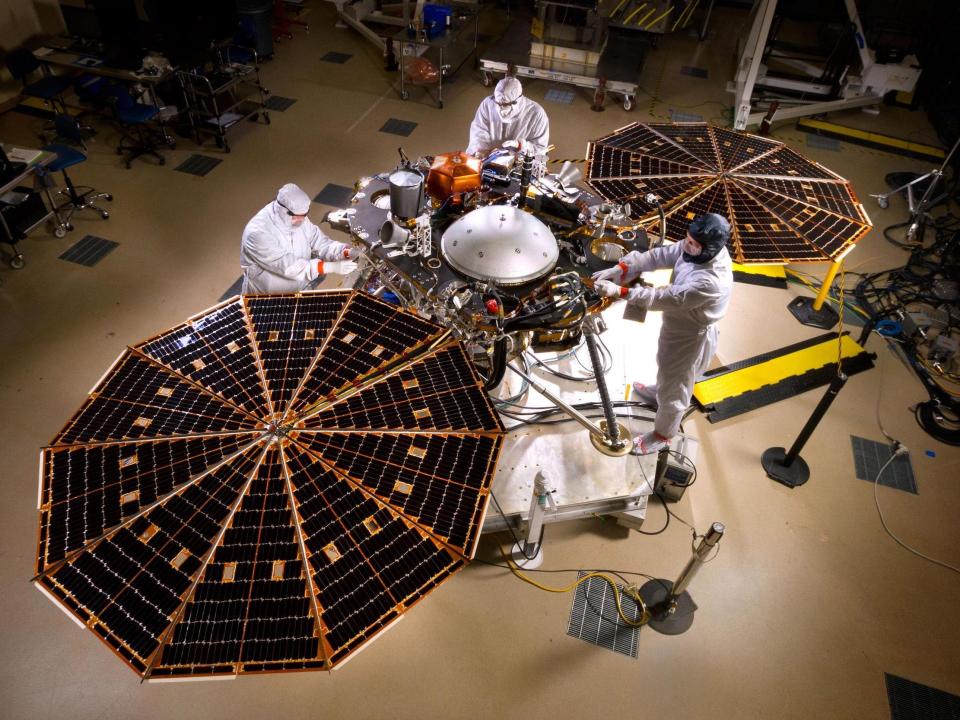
457, 44
219, 100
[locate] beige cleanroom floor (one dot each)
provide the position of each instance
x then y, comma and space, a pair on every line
806, 606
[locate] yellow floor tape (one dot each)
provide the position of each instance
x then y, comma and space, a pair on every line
773, 371
890, 141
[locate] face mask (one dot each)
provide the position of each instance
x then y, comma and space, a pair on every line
692, 247
508, 112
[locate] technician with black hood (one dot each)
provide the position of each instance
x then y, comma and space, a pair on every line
692, 304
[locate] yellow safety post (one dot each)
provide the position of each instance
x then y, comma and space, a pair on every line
825, 287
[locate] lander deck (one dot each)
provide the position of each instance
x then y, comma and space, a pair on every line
586, 481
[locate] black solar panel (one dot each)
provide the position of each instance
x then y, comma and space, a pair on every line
370, 334
735, 148
355, 541
782, 207
784, 162
438, 480
448, 397
141, 399
189, 519
90, 489
289, 331
216, 351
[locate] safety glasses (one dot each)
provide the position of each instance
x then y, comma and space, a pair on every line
290, 212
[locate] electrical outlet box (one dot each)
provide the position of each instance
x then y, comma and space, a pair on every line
676, 467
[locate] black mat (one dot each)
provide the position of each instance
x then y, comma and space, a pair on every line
278, 103
761, 280
198, 165
335, 195
911, 700
594, 618
89, 251
398, 127
869, 456
694, 71
336, 57
233, 289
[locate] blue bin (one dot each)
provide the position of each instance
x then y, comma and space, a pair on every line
435, 19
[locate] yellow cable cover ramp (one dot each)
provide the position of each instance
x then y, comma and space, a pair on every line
775, 370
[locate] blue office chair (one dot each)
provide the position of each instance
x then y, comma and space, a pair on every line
77, 198
134, 120
50, 88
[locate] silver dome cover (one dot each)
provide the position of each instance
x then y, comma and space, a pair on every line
501, 244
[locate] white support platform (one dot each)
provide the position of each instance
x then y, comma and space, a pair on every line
586, 481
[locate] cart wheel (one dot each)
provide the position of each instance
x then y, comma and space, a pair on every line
17, 262
883, 202
171, 143
69, 227
60, 231
404, 95
108, 197
104, 214
486, 78
627, 103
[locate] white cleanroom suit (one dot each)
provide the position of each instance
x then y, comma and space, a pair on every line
279, 251
691, 304
507, 117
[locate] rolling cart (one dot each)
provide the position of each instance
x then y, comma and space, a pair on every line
219, 100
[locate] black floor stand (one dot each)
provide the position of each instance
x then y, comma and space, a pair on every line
824, 318
788, 468
666, 617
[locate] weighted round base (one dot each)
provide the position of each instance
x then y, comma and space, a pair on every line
939, 422
655, 594
522, 561
824, 318
609, 449
797, 473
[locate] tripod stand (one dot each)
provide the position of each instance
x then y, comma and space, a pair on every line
919, 211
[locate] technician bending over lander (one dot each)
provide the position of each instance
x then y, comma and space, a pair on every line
508, 119
692, 304
282, 251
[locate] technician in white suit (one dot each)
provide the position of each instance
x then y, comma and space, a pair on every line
692, 304
282, 251
508, 119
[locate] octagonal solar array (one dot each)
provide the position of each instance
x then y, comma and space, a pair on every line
781, 206
267, 486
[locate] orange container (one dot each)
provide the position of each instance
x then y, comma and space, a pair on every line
453, 173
